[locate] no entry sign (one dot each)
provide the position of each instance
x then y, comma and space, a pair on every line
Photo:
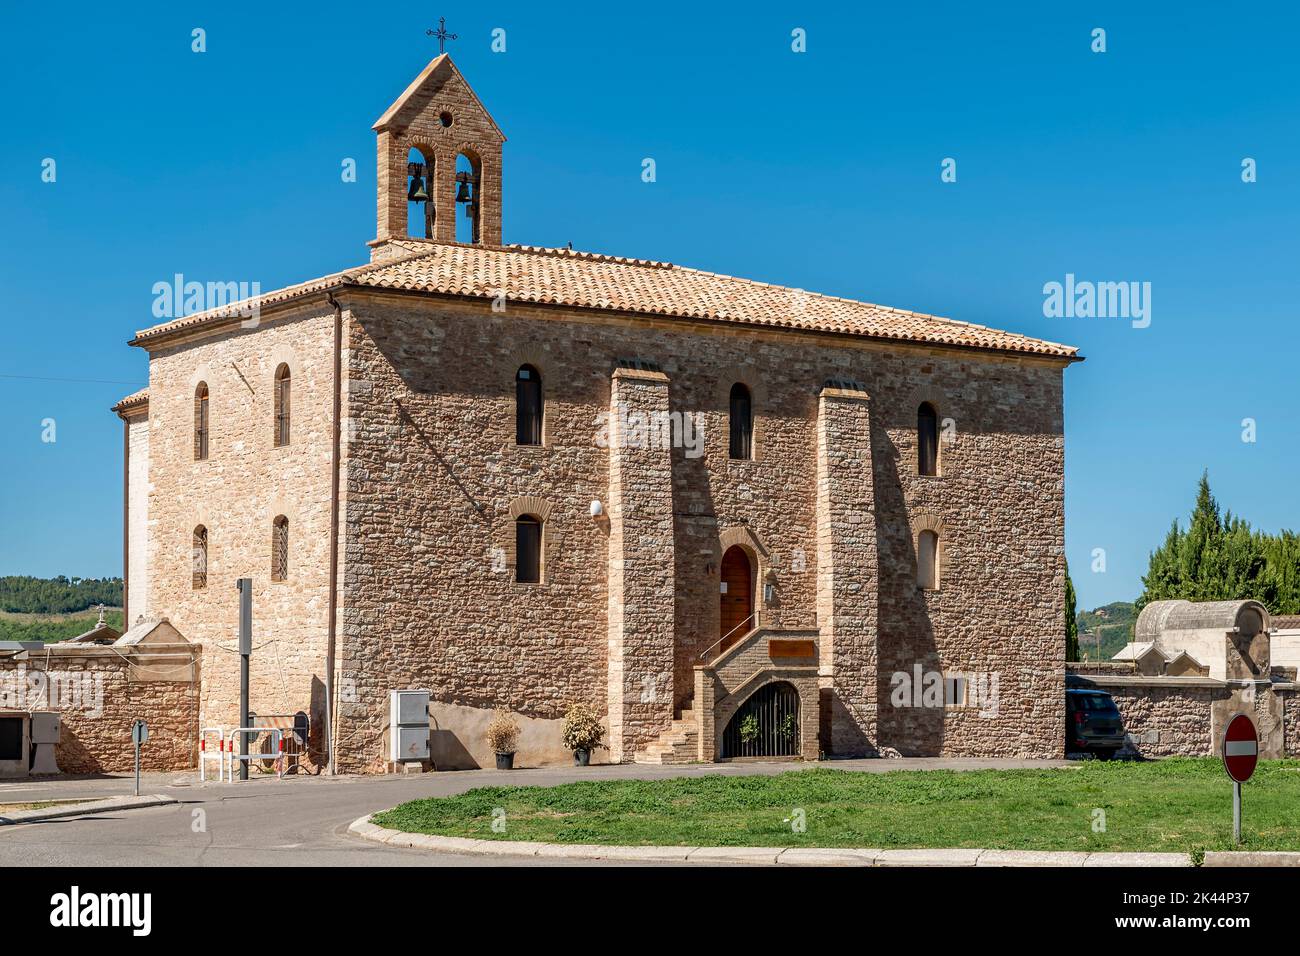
1240, 754
1240, 748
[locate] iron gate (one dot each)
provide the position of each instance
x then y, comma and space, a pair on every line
767, 725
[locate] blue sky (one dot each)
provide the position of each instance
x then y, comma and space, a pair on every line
819, 170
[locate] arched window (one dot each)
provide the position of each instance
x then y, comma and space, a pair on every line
927, 440
528, 406
280, 549
927, 560
199, 558
742, 422
282, 405
201, 422
469, 175
421, 208
528, 550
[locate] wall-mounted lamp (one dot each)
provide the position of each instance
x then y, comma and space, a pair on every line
597, 509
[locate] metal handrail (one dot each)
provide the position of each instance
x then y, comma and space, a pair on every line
723, 638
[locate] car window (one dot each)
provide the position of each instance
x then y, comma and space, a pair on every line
1095, 702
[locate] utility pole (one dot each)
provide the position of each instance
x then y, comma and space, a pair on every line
245, 586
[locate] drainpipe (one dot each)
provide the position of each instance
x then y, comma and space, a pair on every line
335, 462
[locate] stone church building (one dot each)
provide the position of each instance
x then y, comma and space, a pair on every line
737, 519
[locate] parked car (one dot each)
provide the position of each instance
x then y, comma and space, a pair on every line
1092, 723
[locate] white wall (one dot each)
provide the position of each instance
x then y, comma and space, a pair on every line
137, 531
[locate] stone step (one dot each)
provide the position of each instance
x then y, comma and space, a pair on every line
679, 743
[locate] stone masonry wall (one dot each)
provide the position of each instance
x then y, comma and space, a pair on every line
1291, 720
641, 559
847, 574
1168, 721
103, 699
236, 494
433, 470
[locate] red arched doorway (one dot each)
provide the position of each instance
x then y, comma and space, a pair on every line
737, 596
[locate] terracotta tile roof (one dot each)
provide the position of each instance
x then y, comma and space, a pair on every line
133, 400
587, 280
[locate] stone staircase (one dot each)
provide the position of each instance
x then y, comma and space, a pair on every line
678, 744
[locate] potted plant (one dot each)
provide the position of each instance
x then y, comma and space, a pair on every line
582, 733
502, 736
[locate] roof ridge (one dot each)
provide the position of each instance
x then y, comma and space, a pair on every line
589, 256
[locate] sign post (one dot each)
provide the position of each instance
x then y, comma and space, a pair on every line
139, 734
1240, 754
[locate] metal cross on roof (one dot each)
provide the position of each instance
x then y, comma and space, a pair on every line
442, 35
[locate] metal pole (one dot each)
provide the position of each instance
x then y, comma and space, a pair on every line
137, 766
1236, 811
245, 649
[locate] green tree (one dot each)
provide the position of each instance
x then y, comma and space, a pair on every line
59, 595
1071, 619
1219, 558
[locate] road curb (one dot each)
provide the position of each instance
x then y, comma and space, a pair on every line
80, 809
1251, 858
778, 856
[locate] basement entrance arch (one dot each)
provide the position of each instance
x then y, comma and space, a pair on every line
737, 596
766, 725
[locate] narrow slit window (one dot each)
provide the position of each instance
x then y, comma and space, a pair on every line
528, 406
280, 549
528, 550
201, 422
199, 558
927, 560
282, 405
927, 440
742, 423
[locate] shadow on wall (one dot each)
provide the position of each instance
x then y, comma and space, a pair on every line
905, 634
73, 756
316, 742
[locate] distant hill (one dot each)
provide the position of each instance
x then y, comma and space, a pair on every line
53, 627
28, 595
1112, 625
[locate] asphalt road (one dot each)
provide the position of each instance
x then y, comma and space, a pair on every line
304, 821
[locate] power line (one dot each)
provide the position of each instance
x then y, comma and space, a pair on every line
82, 381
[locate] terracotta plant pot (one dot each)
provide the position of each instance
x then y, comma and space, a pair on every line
506, 761
581, 757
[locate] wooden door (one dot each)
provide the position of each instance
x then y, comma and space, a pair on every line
737, 596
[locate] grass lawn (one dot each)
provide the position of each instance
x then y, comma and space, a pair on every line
15, 807
1179, 804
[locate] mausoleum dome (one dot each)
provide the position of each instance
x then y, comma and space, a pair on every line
1247, 617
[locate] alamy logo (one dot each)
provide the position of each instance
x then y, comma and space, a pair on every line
74, 909
24, 689
657, 431
977, 690
1101, 300
178, 298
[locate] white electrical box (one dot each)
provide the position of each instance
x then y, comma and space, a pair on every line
45, 727
408, 722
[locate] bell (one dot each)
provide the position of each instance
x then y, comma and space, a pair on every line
417, 192
462, 191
